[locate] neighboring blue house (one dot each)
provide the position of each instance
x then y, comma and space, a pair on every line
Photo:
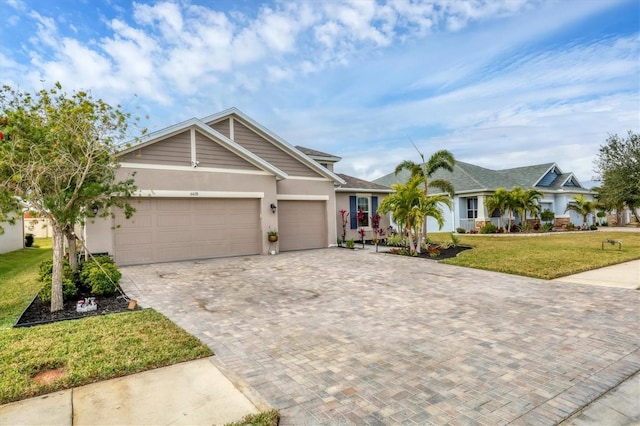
473, 184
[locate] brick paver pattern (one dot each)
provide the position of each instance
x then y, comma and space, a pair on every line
340, 336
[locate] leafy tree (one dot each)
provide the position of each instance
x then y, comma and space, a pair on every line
618, 167
57, 158
582, 206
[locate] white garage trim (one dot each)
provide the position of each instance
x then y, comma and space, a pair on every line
166, 193
302, 197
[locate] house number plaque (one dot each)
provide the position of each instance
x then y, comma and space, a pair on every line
193, 193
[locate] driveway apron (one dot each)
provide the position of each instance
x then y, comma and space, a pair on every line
340, 336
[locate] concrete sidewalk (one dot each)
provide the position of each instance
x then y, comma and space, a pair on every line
189, 393
622, 275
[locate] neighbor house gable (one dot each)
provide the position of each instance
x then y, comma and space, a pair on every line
183, 140
258, 139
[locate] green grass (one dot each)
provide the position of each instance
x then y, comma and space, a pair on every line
266, 418
19, 279
87, 350
90, 350
547, 256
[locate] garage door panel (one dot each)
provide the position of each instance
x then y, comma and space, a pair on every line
302, 225
164, 230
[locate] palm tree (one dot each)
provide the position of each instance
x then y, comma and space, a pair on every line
581, 206
513, 202
530, 203
498, 201
442, 159
403, 205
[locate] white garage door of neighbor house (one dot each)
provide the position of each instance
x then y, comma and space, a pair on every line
302, 225
163, 230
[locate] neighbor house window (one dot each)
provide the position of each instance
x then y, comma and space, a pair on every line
363, 206
472, 208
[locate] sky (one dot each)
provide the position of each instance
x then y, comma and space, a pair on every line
498, 83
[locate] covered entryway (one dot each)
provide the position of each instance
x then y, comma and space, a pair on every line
169, 229
302, 225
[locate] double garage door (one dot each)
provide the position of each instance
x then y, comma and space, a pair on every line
165, 230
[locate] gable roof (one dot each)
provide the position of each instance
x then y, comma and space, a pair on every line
239, 150
275, 139
353, 184
468, 177
202, 126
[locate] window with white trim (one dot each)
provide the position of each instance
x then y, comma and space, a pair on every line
472, 208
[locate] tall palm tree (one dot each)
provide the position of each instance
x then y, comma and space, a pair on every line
499, 201
442, 159
581, 206
403, 205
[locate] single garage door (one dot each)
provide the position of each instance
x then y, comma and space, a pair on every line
302, 225
164, 230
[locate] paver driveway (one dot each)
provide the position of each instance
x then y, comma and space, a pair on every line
340, 336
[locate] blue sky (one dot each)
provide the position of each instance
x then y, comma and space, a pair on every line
499, 83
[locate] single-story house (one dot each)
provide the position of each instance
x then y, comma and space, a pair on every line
214, 187
355, 194
473, 184
13, 236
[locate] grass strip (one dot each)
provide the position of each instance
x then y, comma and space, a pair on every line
90, 350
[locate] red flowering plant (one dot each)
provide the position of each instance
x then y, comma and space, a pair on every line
375, 224
345, 219
361, 231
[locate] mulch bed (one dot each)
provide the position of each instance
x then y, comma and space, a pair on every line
444, 253
39, 312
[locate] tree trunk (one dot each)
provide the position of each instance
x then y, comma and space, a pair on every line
73, 255
57, 303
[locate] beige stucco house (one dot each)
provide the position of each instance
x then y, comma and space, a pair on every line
353, 195
214, 187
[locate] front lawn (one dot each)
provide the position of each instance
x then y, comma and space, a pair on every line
77, 352
545, 256
19, 279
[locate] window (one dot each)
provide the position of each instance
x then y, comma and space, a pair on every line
472, 208
363, 205
325, 165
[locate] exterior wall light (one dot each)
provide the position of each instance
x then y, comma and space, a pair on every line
273, 208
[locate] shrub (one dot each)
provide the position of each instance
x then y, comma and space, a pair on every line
397, 241
570, 226
488, 228
461, 230
103, 280
69, 289
350, 243
28, 240
100, 275
455, 240
593, 227
547, 215
547, 227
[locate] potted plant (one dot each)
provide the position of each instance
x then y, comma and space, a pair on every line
272, 236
